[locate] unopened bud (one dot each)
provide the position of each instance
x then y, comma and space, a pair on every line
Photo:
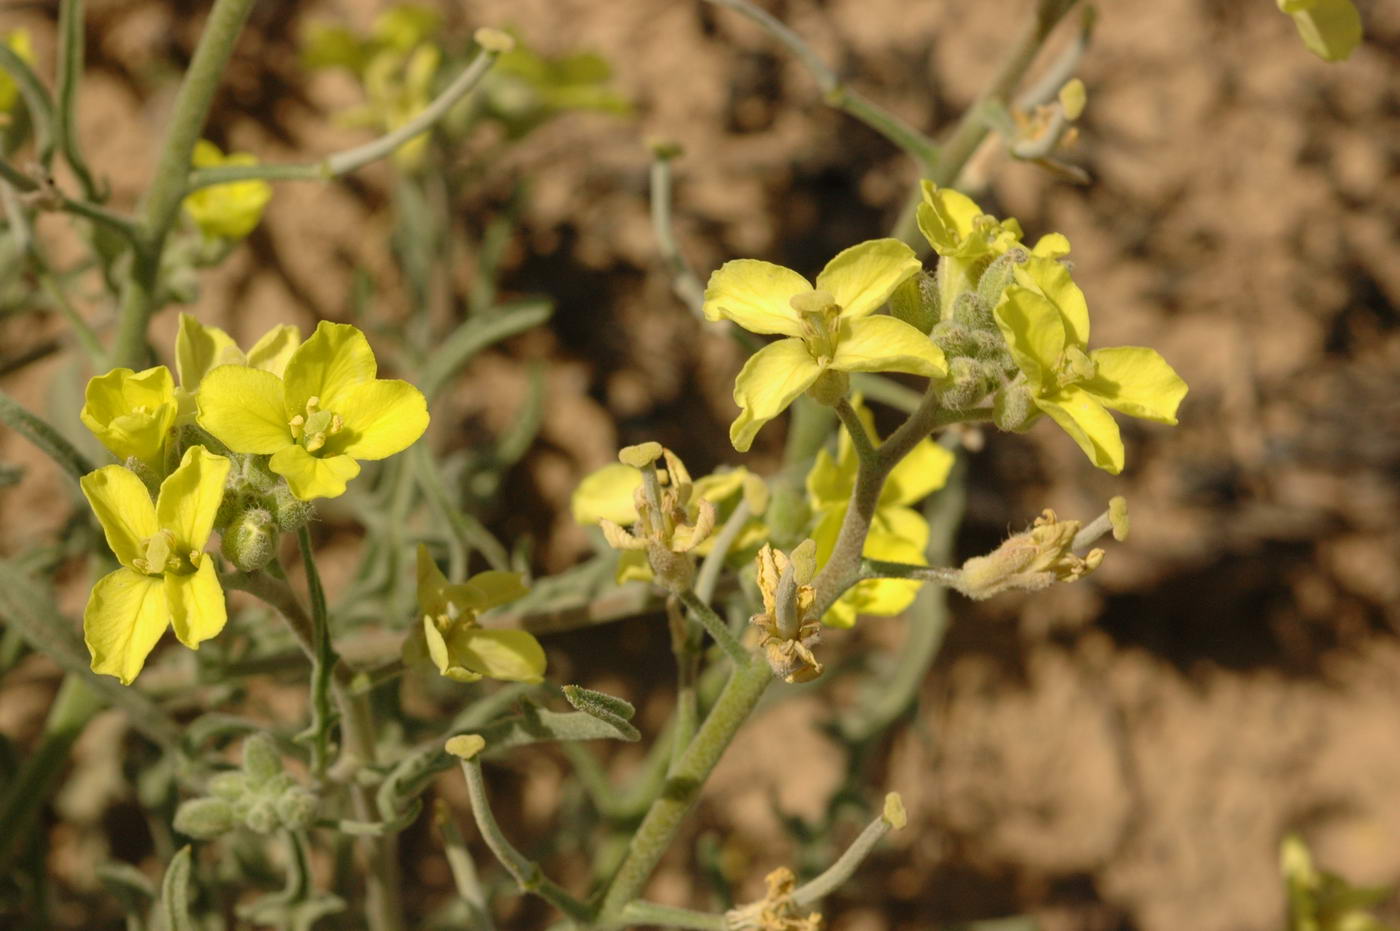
673, 571
261, 816
1012, 409
261, 762
968, 383
954, 338
290, 512
830, 387
972, 311
204, 818
296, 808
916, 302
250, 540
998, 275
228, 785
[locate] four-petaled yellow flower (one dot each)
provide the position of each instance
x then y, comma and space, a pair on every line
199, 349
230, 210
1045, 320
829, 327
460, 648
897, 532
165, 577
132, 413
327, 411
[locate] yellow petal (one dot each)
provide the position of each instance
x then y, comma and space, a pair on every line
125, 616
200, 348
1034, 331
1089, 425
918, 475
432, 584
243, 407
1331, 29
309, 477
509, 655
1052, 279
945, 217
1136, 381
828, 483
441, 654
380, 418
607, 494
335, 357
770, 381
755, 295
886, 344
864, 276
190, 497
491, 588
274, 348
196, 602
123, 508
1052, 245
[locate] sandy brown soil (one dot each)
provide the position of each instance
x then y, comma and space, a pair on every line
1125, 753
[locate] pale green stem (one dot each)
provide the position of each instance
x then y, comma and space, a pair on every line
70, 71
650, 914
746, 685
36, 101
1092, 532
469, 531
167, 189
860, 437
685, 645
24, 796
526, 873
883, 569
845, 866
323, 659
82, 331
713, 564
836, 94
464, 875
716, 627
342, 163
683, 278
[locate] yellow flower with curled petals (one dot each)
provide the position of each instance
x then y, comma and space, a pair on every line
132, 413
458, 646
829, 327
166, 578
325, 413
1045, 321
232, 209
898, 533
200, 348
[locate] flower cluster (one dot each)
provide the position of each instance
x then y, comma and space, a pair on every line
242, 446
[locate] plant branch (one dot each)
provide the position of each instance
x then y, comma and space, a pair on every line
860, 436
342, 163
36, 100
650, 914
844, 868
881, 569
70, 72
716, 627
49, 440
684, 281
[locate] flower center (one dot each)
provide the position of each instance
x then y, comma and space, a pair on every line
820, 322
159, 556
1075, 367
313, 428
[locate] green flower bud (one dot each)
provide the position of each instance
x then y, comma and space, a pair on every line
261, 762
998, 275
953, 338
1012, 409
968, 383
261, 816
296, 808
973, 312
290, 511
229, 786
990, 347
204, 818
250, 540
916, 302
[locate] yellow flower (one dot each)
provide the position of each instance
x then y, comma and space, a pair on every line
967, 239
327, 411
20, 43
165, 577
898, 533
829, 328
1331, 29
132, 413
231, 210
1045, 321
200, 348
460, 648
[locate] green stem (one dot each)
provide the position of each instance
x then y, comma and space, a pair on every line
70, 71
716, 627
24, 797
651, 914
323, 659
845, 866
469, 531
526, 873
746, 685
82, 331
342, 163
36, 100
683, 278
167, 189
49, 440
884, 569
685, 645
860, 437
464, 876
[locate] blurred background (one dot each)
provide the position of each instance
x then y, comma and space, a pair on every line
1122, 754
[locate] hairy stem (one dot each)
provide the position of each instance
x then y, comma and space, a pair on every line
683, 278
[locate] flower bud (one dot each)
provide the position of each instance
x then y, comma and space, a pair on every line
953, 338
916, 302
672, 571
261, 762
973, 312
968, 383
290, 512
250, 540
998, 275
1012, 409
204, 818
296, 808
228, 786
261, 816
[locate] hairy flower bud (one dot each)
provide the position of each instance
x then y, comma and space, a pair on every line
916, 302
204, 818
261, 762
968, 383
291, 512
261, 816
250, 540
954, 338
296, 808
1012, 409
998, 275
973, 312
